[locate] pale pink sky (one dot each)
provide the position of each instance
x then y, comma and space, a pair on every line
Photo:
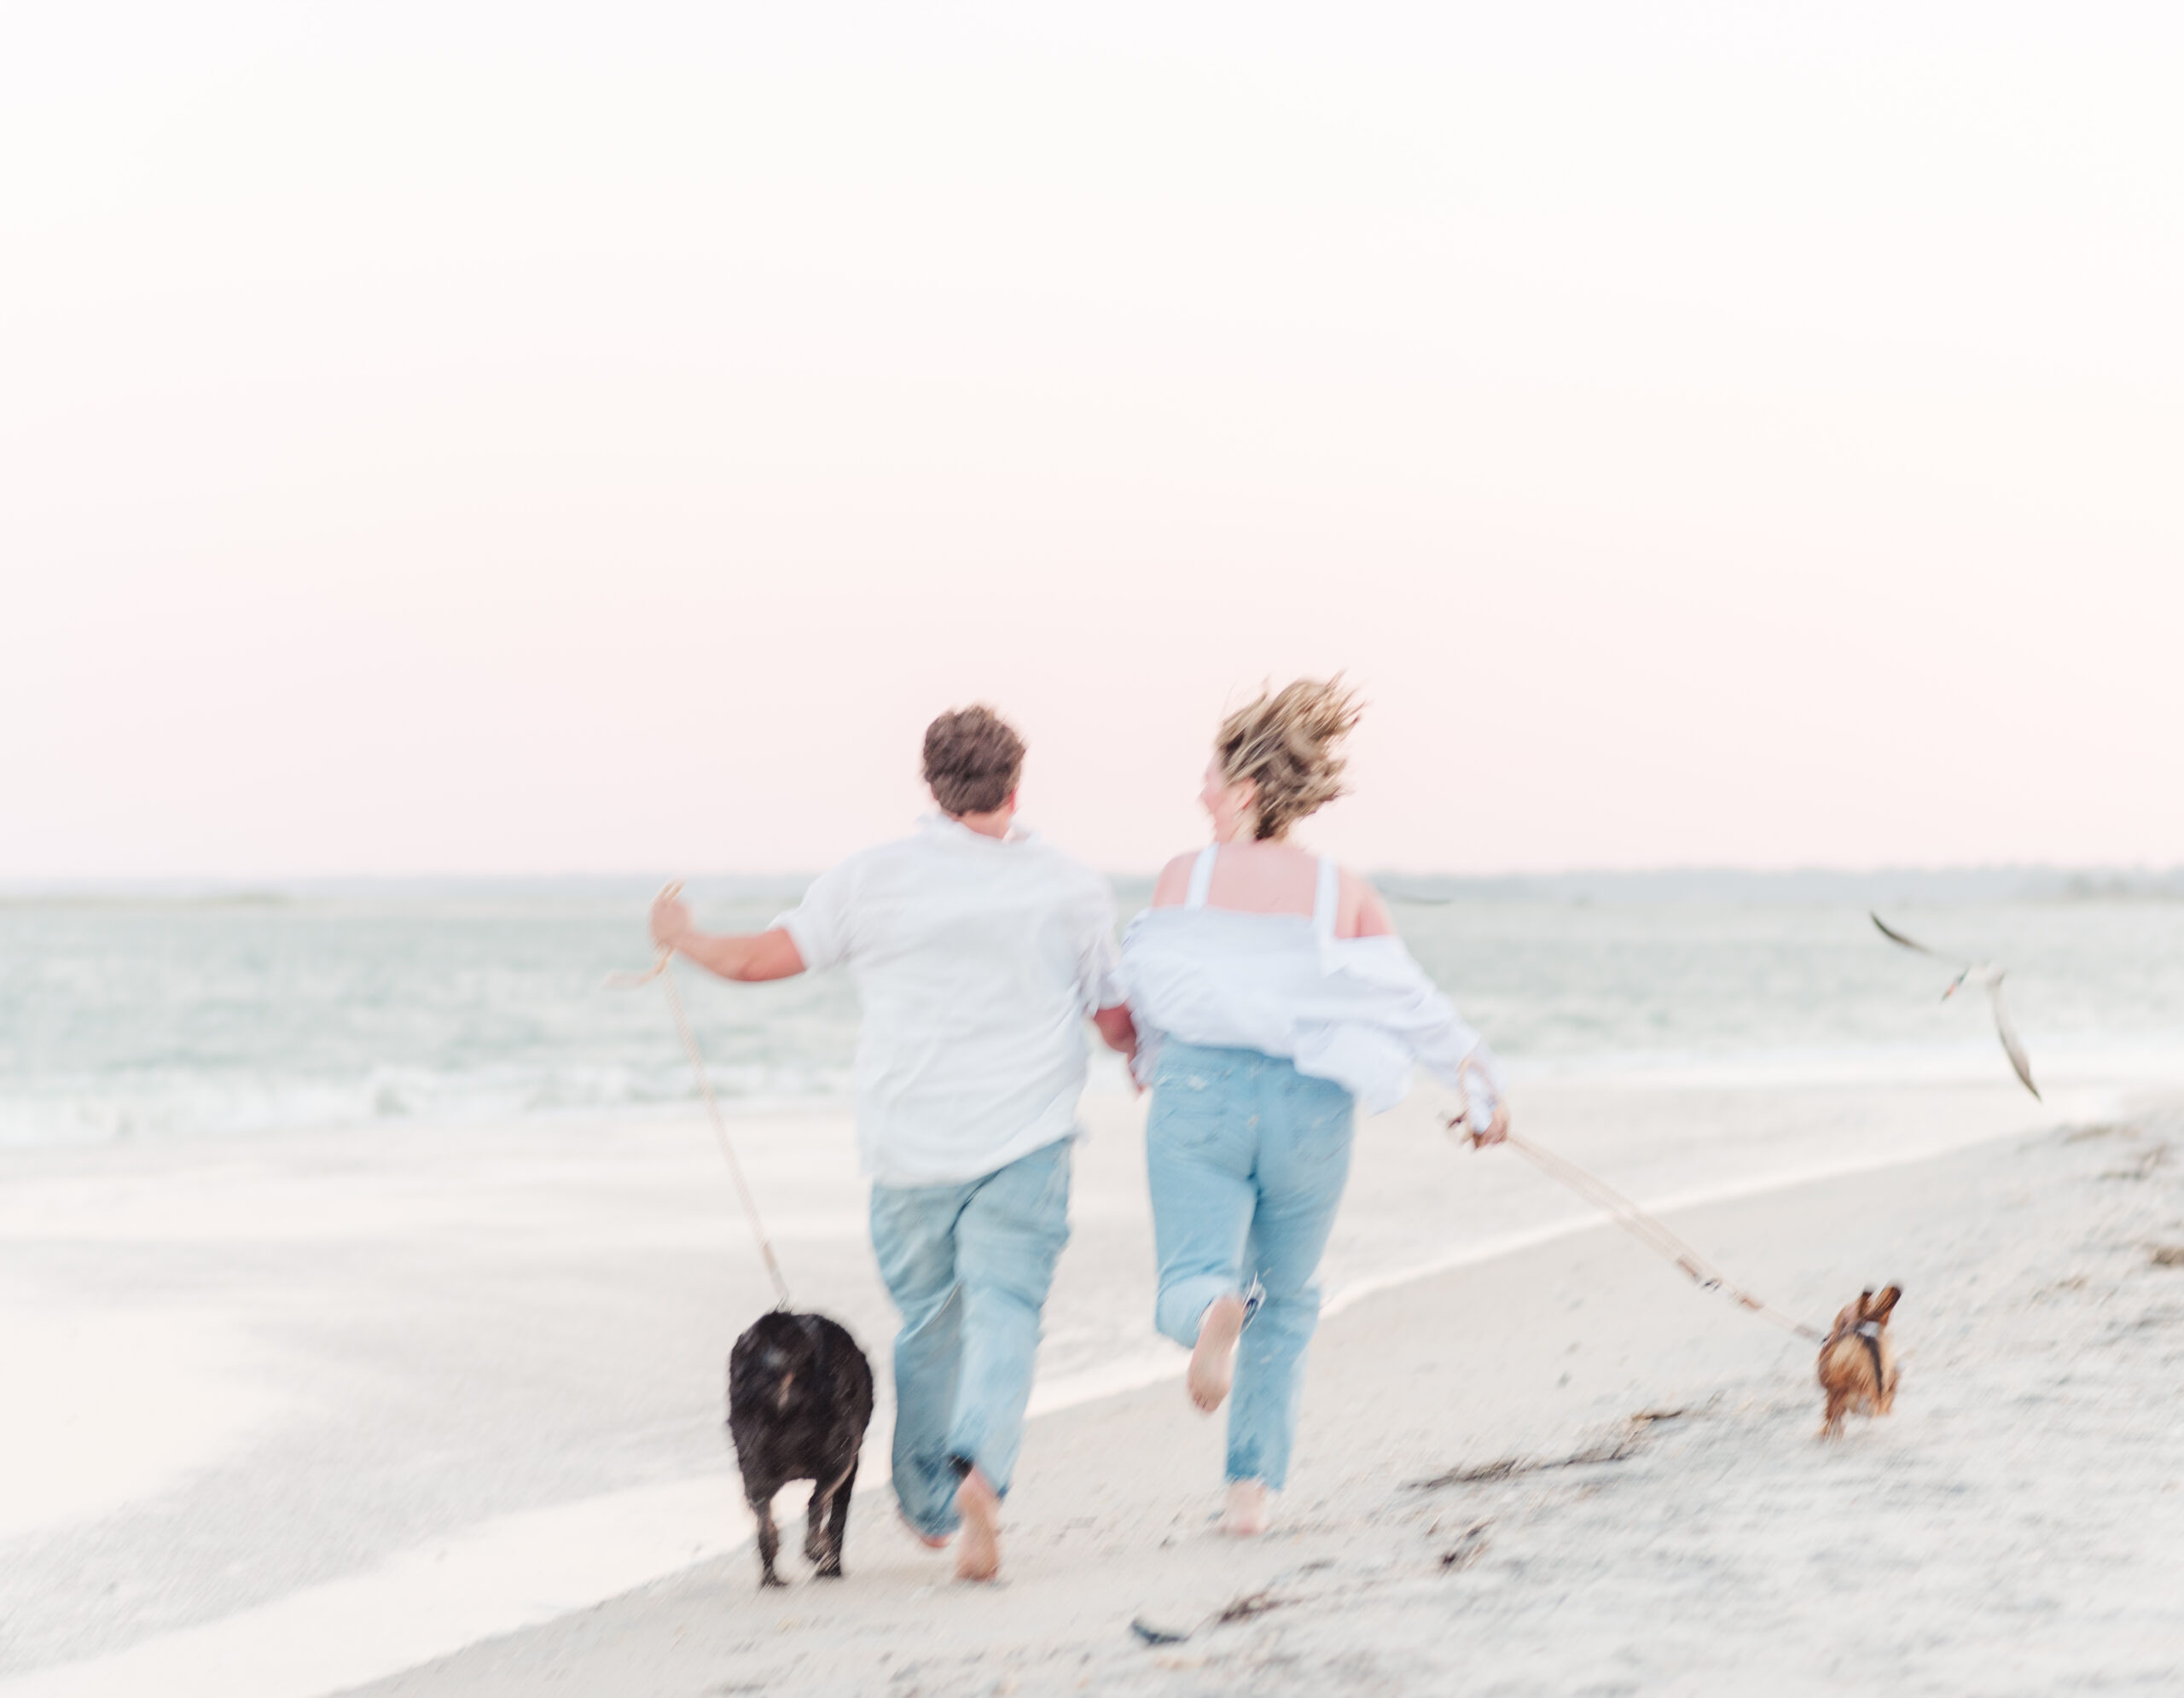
451, 438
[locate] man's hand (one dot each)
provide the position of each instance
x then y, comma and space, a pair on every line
671, 918
1117, 1029
1118, 1032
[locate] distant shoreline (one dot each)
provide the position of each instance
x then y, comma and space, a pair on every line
1911, 886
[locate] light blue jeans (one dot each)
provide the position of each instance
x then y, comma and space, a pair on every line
1247, 1158
968, 1264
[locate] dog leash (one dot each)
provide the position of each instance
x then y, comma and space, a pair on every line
1648, 1229
663, 970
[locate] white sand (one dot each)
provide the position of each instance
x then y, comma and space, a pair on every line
2017, 1525
410, 1392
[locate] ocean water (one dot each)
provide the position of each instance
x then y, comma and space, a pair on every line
154, 1014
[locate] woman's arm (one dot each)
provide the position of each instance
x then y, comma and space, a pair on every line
747, 956
1362, 911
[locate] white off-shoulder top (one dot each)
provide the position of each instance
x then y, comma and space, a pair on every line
1358, 1011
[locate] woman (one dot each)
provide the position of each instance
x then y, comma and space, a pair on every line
1270, 995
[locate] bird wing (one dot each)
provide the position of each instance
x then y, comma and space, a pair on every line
1897, 937
2011, 1047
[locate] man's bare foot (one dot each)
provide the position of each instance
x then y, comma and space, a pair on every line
1246, 1515
978, 1556
930, 1541
1213, 1363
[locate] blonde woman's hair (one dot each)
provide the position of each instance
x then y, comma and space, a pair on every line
1285, 742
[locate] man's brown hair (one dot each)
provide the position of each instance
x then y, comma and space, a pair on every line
973, 759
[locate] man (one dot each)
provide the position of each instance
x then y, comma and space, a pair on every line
979, 951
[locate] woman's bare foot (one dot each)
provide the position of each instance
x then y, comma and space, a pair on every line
930, 1541
1246, 1515
978, 1556
1213, 1363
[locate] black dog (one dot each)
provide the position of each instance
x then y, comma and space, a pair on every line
799, 1396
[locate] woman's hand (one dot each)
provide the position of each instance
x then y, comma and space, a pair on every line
671, 918
1469, 1131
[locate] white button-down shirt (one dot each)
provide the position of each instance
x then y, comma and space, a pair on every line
977, 962
1357, 1010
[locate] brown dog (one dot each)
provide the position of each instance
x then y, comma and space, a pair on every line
1857, 1364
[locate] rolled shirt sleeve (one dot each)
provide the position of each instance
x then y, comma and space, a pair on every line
1452, 1049
1100, 963
1102, 974
1479, 1077
821, 925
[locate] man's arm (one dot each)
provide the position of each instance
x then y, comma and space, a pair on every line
748, 957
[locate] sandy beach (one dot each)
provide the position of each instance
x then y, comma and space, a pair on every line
1559, 1471
311, 1413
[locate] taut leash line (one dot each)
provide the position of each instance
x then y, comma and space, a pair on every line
663, 970
1648, 1229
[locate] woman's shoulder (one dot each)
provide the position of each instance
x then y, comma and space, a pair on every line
1360, 910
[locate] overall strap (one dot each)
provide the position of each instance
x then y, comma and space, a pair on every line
1201, 876
1325, 904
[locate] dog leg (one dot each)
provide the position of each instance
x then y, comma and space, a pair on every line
1831, 1426
824, 1546
769, 1540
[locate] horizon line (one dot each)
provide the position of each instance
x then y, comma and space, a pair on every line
32, 884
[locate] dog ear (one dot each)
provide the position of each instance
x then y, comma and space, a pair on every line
1884, 1302
1863, 1309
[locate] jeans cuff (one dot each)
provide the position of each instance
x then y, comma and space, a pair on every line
1181, 1308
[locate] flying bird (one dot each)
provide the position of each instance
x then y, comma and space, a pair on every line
1990, 978
1413, 896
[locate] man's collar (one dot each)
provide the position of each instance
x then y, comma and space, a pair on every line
939, 824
